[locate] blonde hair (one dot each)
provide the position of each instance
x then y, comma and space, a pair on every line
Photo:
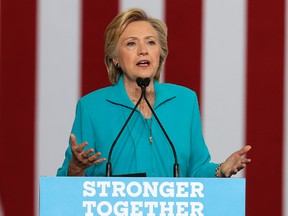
115, 29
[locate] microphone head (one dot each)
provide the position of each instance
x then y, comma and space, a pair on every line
143, 83
139, 81
146, 82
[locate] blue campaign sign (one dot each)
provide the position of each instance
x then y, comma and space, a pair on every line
95, 196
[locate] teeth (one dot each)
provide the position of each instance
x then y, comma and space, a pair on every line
143, 62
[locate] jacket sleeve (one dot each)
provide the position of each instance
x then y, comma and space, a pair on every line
82, 129
200, 165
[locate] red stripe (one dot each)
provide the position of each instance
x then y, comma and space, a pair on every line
265, 92
17, 104
96, 15
183, 65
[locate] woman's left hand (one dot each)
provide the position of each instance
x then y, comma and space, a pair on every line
234, 163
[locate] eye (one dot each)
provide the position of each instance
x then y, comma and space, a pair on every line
131, 43
152, 42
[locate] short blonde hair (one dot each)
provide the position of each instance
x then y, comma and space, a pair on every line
115, 29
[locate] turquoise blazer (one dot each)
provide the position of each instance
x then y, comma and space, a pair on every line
101, 114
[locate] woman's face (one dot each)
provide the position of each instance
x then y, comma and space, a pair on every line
138, 51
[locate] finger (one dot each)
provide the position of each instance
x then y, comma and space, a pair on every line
95, 158
244, 150
80, 148
73, 140
245, 160
242, 166
99, 160
247, 148
87, 153
228, 175
74, 145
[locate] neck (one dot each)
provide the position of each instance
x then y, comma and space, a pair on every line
134, 93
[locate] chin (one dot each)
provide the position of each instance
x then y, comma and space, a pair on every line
145, 75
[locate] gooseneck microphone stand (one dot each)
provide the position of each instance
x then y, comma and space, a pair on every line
109, 165
143, 84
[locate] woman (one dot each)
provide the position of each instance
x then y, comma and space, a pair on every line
136, 46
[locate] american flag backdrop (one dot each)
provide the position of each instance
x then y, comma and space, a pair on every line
232, 53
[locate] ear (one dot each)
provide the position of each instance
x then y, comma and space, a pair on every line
115, 61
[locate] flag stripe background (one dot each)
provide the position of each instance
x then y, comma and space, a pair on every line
95, 17
210, 52
285, 152
265, 94
223, 76
17, 105
154, 8
58, 79
183, 65
58, 74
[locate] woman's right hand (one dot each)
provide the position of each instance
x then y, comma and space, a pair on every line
81, 159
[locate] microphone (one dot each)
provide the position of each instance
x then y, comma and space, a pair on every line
109, 165
143, 83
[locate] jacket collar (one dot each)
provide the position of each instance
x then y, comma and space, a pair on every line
119, 96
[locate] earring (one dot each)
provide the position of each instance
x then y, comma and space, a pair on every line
117, 65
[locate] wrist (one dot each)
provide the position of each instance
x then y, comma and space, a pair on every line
74, 170
218, 171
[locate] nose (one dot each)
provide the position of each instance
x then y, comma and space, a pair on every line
142, 50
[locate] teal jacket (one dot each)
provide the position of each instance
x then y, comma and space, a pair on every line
101, 114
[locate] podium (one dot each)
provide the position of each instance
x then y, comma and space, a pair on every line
95, 196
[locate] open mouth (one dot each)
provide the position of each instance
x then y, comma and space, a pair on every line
143, 63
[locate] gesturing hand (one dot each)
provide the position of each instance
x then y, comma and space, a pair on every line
81, 159
234, 163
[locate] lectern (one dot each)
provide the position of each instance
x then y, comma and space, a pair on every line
95, 196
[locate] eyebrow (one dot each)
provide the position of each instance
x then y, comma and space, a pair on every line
136, 38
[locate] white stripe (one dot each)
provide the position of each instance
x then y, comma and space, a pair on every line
57, 81
223, 107
285, 152
154, 8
